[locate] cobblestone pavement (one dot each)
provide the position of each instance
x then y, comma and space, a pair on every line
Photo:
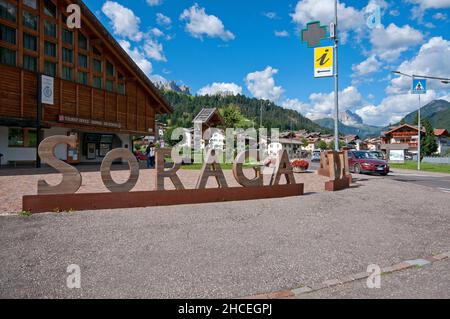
24, 182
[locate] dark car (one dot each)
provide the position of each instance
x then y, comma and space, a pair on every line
367, 162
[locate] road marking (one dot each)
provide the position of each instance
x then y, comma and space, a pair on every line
445, 190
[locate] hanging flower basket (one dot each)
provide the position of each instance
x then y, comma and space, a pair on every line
299, 166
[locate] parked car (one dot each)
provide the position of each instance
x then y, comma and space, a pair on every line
315, 156
379, 154
367, 162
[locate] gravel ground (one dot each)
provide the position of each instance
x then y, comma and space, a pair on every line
220, 250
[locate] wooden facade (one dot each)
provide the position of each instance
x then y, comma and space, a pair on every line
110, 93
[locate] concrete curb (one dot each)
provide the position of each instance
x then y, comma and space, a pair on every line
302, 290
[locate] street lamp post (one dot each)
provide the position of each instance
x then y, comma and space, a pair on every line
336, 79
419, 126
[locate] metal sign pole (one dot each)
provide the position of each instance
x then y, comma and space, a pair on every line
38, 117
336, 80
419, 138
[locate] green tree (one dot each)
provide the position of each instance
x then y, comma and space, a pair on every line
341, 145
428, 143
322, 145
233, 117
305, 142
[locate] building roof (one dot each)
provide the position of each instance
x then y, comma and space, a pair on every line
289, 141
441, 132
207, 115
141, 76
402, 126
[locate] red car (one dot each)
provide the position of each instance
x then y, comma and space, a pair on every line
367, 162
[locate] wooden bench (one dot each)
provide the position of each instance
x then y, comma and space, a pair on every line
15, 163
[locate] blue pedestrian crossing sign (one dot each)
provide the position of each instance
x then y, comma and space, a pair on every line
419, 86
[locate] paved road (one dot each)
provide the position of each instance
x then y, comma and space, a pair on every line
430, 281
438, 181
224, 249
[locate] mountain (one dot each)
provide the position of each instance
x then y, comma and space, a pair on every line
362, 130
351, 124
350, 119
437, 111
186, 107
172, 86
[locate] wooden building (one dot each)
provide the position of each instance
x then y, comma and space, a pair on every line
99, 93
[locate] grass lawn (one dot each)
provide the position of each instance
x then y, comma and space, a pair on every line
429, 167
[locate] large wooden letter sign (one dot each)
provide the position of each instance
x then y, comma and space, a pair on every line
335, 166
64, 197
71, 180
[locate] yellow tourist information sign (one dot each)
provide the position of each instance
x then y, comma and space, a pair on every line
323, 62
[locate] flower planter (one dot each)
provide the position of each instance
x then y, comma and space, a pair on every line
299, 169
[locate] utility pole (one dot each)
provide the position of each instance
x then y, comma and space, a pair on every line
336, 79
419, 137
260, 114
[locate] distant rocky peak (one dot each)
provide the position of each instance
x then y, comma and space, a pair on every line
350, 119
173, 86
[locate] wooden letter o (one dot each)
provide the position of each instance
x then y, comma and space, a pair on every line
105, 170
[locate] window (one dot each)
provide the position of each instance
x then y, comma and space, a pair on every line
97, 66
110, 85
30, 42
30, 20
67, 73
20, 137
8, 11
50, 49
121, 88
29, 63
82, 61
31, 3
50, 68
109, 68
82, 41
67, 55
96, 51
7, 56
7, 34
97, 82
83, 78
49, 8
120, 76
67, 36
50, 29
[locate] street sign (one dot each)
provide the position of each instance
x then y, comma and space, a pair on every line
323, 62
314, 33
419, 86
47, 90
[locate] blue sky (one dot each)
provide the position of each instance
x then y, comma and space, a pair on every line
253, 47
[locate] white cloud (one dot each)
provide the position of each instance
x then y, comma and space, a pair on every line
281, 34
297, 105
389, 43
123, 20
433, 59
270, 15
323, 11
138, 57
156, 32
440, 16
431, 4
393, 108
368, 66
154, 50
262, 84
199, 23
163, 20
154, 2
220, 88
